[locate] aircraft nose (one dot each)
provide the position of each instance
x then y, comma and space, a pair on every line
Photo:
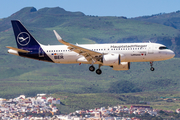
171, 54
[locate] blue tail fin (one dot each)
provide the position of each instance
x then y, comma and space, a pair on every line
25, 41
23, 38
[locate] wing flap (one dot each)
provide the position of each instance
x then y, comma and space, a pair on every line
18, 50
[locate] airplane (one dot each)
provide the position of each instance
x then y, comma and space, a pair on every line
116, 55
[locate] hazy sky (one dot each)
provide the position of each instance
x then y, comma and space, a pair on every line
127, 8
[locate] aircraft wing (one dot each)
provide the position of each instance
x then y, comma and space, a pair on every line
18, 50
88, 54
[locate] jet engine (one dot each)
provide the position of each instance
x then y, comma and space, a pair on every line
112, 59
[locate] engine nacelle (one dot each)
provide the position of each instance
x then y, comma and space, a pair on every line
113, 59
122, 66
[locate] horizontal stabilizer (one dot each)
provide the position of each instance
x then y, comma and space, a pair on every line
18, 50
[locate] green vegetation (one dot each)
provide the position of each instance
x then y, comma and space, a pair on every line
30, 77
168, 19
123, 87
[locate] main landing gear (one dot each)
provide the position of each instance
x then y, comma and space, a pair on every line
151, 64
92, 68
98, 71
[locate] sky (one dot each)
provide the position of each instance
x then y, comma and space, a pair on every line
127, 8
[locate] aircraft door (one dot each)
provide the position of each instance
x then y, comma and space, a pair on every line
150, 49
41, 52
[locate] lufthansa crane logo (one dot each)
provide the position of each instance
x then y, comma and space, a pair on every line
23, 38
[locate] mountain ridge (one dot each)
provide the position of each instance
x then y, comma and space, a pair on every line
168, 19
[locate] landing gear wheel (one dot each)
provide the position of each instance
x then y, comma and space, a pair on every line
98, 71
91, 68
151, 64
152, 69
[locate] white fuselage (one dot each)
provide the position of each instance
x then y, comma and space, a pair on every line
131, 52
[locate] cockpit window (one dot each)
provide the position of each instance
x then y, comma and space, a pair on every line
163, 47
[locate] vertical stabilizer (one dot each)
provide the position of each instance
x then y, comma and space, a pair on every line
27, 45
23, 38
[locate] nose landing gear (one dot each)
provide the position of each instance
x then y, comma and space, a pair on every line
151, 64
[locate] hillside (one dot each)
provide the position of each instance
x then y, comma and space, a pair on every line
167, 19
72, 102
30, 77
25, 76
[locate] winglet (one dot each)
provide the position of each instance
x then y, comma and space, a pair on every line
57, 36
60, 39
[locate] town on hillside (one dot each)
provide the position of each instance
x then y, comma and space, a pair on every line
43, 107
